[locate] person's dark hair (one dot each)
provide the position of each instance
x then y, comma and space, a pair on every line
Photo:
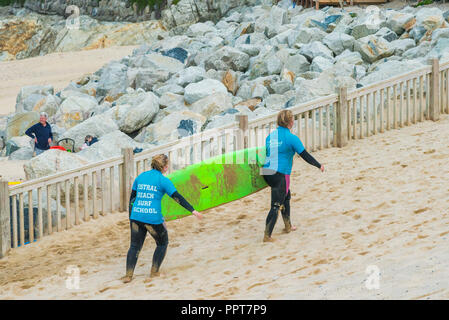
88, 137
159, 162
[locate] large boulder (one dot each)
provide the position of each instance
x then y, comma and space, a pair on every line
189, 75
196, 91
304, 35
18, 123
373, 48
227, 58
212, 104
148, 78
319, 64
156, 61
417, 52
199, 29
297, 64
389, 69
400, 22
339, 42
266, 64
132, 117
25, 153
430, 18
368, 24
17, 143
440, 50
349, 57
23, 101
108, 146
74, 110
113, 80
402, 45
51, 162
96, 126
315, 49
174, 126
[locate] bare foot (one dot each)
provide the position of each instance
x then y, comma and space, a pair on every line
288, 229
154, 275
126, 279
268, 239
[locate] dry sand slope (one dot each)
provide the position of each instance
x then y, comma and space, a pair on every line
383, 201
57, 69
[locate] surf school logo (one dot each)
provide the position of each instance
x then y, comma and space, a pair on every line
73, 21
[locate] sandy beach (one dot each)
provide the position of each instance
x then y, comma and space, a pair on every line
57, 69
382, 204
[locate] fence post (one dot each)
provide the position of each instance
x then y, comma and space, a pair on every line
434, 106
5, 223
127, 177
242, 135
342, 110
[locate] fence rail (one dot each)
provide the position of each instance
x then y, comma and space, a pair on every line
40, 207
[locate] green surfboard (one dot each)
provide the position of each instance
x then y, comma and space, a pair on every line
216, 181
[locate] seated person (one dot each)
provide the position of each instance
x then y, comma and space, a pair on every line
88, 141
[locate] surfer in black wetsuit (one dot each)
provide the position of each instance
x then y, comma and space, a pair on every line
281, 146
145, 214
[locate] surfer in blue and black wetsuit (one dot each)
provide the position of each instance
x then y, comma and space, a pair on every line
145, 214
281, 146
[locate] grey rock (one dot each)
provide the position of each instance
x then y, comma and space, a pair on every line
96, 126
373, 48
389, 69
387, 34
350, 57
228, 58
400, 22
196, 91
420, 51
108, 146
113, 80
319, 64
297, 64
174, 126
305, 35
315, 49
402, 45
212, 105
146, 79
199, 29
74, 110
339, 42
27, 91
189, 75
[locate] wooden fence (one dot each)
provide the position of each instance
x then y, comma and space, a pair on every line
68, 198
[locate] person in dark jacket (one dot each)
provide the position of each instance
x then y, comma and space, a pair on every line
88, 141
41, 134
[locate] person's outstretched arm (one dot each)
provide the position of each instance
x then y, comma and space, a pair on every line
310, 159
299, 148
184, 203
